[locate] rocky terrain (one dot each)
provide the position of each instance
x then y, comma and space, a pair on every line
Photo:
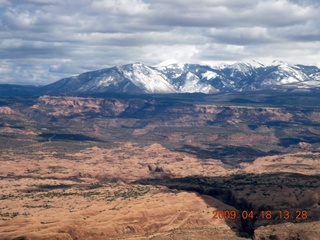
155, 167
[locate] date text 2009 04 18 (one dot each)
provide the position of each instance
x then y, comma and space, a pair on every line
265, 214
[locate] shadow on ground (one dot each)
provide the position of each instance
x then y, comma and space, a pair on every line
274, 192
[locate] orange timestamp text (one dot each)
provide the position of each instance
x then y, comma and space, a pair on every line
264, 214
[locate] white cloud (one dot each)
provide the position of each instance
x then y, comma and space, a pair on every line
44, 40
4, 3
124, 7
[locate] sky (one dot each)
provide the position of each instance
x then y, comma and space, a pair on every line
42, 41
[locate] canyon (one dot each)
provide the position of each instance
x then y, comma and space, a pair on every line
157, 166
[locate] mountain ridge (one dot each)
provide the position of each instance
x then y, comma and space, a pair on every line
189, 78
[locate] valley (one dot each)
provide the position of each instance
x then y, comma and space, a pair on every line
115, 166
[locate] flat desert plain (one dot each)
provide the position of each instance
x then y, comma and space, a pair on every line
95, 194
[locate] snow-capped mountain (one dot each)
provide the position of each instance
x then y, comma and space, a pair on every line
190, 78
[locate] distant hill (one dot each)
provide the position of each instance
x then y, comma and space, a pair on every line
9, 90
183, 78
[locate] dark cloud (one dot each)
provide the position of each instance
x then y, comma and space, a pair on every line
44, 40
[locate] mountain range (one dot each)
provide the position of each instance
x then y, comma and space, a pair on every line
184, 78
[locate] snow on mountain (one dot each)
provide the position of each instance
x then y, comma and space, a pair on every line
316, 76
147, 79
190, 78
245, 69
209, 75
193, 84
293, 73
284, 74
254, 64
173, 70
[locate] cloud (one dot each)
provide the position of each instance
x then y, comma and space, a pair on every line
44, 40
241, 36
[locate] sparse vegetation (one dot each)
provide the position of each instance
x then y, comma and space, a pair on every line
29, 171
50, 169
9, 215
309, 156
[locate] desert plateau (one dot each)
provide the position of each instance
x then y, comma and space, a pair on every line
160, 167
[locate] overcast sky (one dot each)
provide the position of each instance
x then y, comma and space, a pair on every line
42, 41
